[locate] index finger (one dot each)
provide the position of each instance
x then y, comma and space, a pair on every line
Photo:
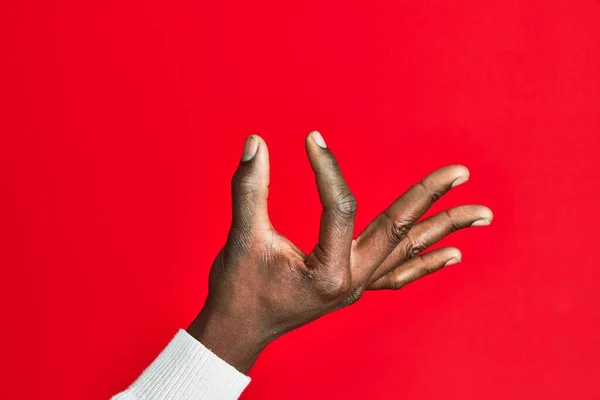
339, 205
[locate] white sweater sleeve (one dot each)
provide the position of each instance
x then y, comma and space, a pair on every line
187, 370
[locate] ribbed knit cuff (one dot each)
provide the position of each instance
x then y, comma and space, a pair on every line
187, 370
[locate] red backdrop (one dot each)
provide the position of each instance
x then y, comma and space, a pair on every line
121, 126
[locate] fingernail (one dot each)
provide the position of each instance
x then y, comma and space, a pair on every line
452, 261
318, 139
482, 222
460, 180
250, 149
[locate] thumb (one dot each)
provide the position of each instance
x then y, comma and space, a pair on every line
250, 188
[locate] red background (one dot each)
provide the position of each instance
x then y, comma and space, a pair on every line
122, 124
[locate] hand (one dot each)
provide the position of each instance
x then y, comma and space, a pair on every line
262, 286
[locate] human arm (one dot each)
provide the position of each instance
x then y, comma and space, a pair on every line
262, 286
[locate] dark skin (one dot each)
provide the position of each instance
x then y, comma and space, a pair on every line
262, 286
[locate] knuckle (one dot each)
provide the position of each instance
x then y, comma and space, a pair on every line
415, 249
399, 229
452, 223
345, 204
396, 284
432, 195
331, 281
396, 281
414, 246
454, 226
337, 285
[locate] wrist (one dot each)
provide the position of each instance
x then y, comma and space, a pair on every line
229, 338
